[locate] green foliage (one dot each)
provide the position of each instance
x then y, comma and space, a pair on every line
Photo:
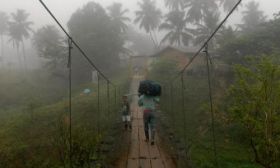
3, 23
175, 23
190, 124
17, 92
148, 16
261, 41
211, 21
252, 17
38, 134
99, 37
19, 27
198, 8
255, 105
118, 17
50, 45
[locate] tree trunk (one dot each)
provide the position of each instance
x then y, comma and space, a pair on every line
155, 37
24, 56
155, 44
19, 58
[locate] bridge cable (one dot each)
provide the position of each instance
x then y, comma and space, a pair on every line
70, 47
108, 99
98, 104
115, 95
183, 108
208, 61
172, 105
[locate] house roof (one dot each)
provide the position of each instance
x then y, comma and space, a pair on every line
189, 52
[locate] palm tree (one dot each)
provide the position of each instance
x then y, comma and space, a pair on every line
117, 14
175, 24
198, 8
228, 4
252, 17
19, 29
4, 19
149, 18
203, 31
175, 4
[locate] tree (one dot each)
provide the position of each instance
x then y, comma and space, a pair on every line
50, 45
19, 29
255, 101
203, 31
91, 27
197, 9
262, 41
175, 24
117, 14
175, 4
228, 4
148, 18
252, 17
4, 19
227, 34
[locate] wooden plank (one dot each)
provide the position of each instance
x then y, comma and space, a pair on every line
144, 150
134, 134
145, 163
142, 136
139, 113
134, 149
134, 122
157, 163
154, 152
132, 163
141, 122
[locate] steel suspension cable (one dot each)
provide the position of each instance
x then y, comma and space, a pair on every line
98, 104
172, 105
211, 105
70, 47
183, 108
108, 98
115, 95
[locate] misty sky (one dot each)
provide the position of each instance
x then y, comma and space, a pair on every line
64, 8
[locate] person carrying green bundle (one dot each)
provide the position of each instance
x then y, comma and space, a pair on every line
149, 105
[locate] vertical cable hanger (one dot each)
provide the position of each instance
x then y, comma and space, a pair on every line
172, 104
108, 98
115, 95
70, 47
183, 108
98, 103
208, 61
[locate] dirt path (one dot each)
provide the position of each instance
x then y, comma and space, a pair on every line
141, 154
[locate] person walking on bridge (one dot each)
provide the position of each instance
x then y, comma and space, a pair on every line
126, 118
149, 105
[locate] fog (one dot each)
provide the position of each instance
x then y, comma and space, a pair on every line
66, 104
64, 8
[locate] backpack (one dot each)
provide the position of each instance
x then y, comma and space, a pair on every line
150, 88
